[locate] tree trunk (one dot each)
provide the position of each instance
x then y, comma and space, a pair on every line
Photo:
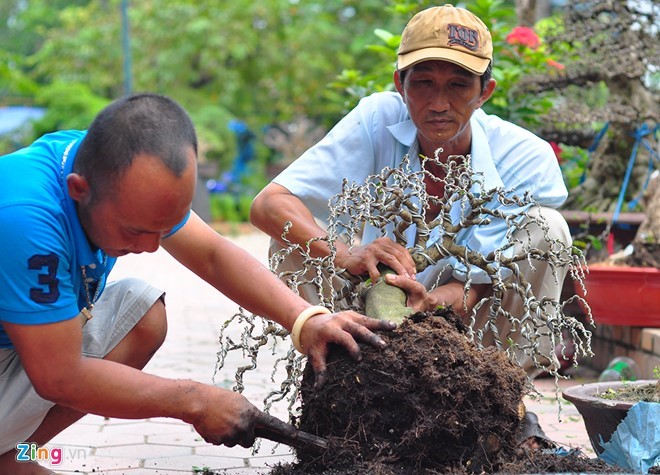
543, 9
646, 245
526, 12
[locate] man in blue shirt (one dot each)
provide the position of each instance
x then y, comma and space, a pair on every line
72, 342
443, 77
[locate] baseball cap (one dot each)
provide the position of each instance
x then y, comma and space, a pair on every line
446, 33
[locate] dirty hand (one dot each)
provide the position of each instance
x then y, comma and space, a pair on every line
365, 259
343, 328
418, 298
451, 293
230, 419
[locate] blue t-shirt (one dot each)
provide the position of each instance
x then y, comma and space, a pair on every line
42, 244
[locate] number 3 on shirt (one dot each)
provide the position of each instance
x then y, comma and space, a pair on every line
48, 278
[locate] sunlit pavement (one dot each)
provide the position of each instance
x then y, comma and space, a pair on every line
166, 446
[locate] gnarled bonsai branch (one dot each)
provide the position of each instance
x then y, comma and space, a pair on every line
395, 202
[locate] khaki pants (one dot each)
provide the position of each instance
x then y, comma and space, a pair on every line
539, 275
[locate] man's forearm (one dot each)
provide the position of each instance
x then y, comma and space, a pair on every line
110, 389
275, 206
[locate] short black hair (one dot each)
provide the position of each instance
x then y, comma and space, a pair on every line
140, 123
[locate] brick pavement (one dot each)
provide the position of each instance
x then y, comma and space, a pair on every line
166, 446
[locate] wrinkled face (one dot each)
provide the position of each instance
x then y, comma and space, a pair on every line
149, 202
441, 98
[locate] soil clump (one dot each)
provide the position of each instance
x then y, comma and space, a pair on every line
432, 402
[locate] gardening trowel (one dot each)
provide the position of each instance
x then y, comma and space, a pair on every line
299, 440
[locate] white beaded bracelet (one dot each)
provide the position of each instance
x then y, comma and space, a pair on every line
301, 320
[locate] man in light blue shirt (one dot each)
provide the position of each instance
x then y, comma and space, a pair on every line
442, 80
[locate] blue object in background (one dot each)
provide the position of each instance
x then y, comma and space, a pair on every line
13, 118
229, 181
221, 185
245, 146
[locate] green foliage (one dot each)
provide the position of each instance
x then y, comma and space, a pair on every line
23, 23
573, 163
216, 141
588, 242
68, 106
233, 205
243, 206
261, 62
359, 84
267, 61
16, 87
513, 61
231, 208
224, 208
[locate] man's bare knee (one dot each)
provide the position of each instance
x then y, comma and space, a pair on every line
142, 342
153, 326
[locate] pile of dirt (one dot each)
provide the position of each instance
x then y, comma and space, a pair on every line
430, 403
540, 461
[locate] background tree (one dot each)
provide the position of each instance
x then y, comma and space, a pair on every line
611, 51
276, 63
269, 60
264, 63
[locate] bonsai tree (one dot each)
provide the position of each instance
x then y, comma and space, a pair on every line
611, 53
447, 374
644, 250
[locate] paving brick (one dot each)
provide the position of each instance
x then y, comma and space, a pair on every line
96, 439
144, 451
145, 427
189, 439
96, 465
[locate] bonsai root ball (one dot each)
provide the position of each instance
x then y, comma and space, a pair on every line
430, 400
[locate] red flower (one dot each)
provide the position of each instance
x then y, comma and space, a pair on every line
523, 35
555, 64
557, 149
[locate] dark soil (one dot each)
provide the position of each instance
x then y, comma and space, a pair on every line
430, 403
637, 393
644, 255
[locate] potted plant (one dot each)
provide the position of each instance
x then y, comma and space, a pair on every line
616, 415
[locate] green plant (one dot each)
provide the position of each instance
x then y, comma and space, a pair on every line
573, 161
68, 106
202, 470
224, 208
518, 52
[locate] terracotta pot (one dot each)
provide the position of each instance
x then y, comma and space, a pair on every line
601, 416
623, 295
